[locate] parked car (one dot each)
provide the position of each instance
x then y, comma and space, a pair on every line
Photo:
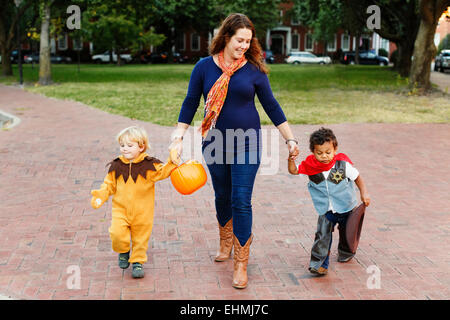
442, 61
178, 58
305, 57
104, 57
30, 58
158, 57
15, 55
59, 59
365, 57
268, 56
34, 57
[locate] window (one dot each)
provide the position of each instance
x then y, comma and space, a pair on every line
62, 42
295, 21
345, 42
181, 42
77, 44
195, 42
308, 42
295, 41
331, 45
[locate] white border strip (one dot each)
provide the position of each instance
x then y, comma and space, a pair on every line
15, 120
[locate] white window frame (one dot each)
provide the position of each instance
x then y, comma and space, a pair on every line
184, 43
192, 42
298, 41
60, 37
306, 42
329, 48
342, 42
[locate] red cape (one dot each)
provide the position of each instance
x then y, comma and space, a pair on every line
311, 166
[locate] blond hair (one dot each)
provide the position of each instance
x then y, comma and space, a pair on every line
134, 134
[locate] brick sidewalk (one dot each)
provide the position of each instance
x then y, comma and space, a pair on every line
58, 152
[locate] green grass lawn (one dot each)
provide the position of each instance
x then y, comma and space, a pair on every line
307, 94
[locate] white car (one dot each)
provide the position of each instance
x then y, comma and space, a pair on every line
104, 57
298, 57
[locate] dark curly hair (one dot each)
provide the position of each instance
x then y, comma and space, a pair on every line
321, 136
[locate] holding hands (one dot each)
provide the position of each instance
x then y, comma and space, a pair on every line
175, 156
293, 148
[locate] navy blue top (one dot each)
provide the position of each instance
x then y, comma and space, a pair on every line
239, 110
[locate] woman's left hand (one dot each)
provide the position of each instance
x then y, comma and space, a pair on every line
294, 150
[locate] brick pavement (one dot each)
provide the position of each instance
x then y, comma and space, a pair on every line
58, 152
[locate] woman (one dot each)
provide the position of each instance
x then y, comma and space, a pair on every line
228, 80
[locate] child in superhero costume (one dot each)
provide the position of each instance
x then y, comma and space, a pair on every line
331, 184
131, 180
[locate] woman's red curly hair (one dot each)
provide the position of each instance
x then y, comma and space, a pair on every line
229, 26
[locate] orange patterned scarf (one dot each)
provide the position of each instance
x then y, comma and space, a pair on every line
218, 93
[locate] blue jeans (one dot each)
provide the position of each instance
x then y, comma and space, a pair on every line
233, 186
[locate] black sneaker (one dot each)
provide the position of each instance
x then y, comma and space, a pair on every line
138, 270
123, 260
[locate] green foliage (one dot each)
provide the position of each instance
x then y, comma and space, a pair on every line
323, 16
444, 44
116, 24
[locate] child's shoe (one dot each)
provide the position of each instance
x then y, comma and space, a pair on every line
138, 270
321, 271
123, 260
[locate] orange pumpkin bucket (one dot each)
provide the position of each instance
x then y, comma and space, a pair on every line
188, 177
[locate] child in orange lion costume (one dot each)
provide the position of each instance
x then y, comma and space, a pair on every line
131, 180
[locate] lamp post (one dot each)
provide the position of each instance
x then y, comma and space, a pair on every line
18, 2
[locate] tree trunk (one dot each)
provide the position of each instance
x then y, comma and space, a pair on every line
119, 58
424, 51
45, 72
6, 62
358, 39
5, 45
424, 48
405, 52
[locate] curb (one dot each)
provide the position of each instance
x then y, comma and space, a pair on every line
8, 121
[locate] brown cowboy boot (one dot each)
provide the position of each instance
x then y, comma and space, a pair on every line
226, 241
240, 278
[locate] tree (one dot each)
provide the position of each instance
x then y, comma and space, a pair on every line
119, 24
45, 71
316, 14
49, 28
9, 18
399, 24
424, 48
